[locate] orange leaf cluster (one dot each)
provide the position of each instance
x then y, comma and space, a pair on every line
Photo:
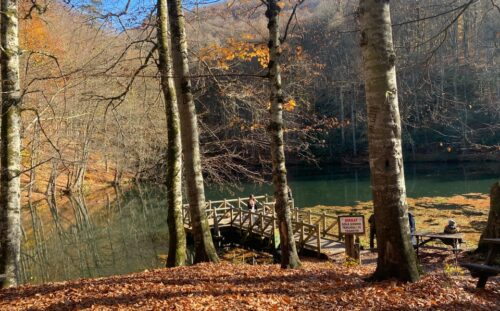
290, 105
318, 286
235, 50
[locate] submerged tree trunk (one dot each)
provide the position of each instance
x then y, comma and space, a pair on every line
289, 257
10, 150
203, 245
492, 229
396, 257
176, 234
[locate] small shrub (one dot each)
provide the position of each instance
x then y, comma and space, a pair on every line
451, 270
350, 262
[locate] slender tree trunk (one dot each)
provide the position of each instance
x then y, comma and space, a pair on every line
289, 257
396, 257
342, 118
10, 191
203, 244
176, 234
353, 121
492, 229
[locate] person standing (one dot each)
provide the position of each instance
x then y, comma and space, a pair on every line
252, 203
371, 222
289, 191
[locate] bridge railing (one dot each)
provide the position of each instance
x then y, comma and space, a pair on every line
308, 226
328, 224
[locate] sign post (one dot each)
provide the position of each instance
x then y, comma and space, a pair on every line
351, 227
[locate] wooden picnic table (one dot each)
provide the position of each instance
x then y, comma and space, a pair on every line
455, 239
486, 270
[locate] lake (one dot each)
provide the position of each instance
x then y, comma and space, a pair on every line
124, 230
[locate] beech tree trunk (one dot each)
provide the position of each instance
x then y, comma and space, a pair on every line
396, 257
289, 257
10, 153
492, 229
203, 244
176, 234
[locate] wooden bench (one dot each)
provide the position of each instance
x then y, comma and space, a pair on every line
454, 239
486, 270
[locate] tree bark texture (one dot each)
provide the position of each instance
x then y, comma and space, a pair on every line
396, 257
289, 257
203, 244
10, 153
176, 234
492, 230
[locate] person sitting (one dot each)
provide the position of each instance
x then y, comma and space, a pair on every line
451, 228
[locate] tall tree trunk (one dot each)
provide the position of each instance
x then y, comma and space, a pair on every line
176, 237
10, 190
492, 229
203, 244
342, 118
289, 257
396, 257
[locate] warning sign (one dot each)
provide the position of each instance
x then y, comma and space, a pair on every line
352, 224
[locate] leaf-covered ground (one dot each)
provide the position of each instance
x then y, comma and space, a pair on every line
318, 286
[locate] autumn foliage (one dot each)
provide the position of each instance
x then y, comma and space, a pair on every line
319, 286
223, 56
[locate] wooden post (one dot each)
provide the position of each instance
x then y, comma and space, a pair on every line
318, 241
309, 217
301, 233
323, 222
239, 202
261, 225
210, 207
240, 212
349, 245
216, 223
352, 247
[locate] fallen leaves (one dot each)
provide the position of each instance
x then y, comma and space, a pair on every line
318, 286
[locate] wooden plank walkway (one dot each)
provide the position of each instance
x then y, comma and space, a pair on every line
316, 232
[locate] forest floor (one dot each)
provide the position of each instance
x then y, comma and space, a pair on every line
319, 285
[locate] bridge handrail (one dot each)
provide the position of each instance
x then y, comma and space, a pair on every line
310, 224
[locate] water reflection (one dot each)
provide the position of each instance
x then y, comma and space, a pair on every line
115, 233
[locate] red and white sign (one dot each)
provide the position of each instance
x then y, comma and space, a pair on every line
352, 224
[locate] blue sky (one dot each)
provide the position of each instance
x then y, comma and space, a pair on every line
138, 9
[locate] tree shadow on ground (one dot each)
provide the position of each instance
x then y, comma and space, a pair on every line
478, 225
445, 206
166, 289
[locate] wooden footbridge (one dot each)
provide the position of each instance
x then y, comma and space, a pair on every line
316, 232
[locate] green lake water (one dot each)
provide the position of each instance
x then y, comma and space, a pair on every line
129, 233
